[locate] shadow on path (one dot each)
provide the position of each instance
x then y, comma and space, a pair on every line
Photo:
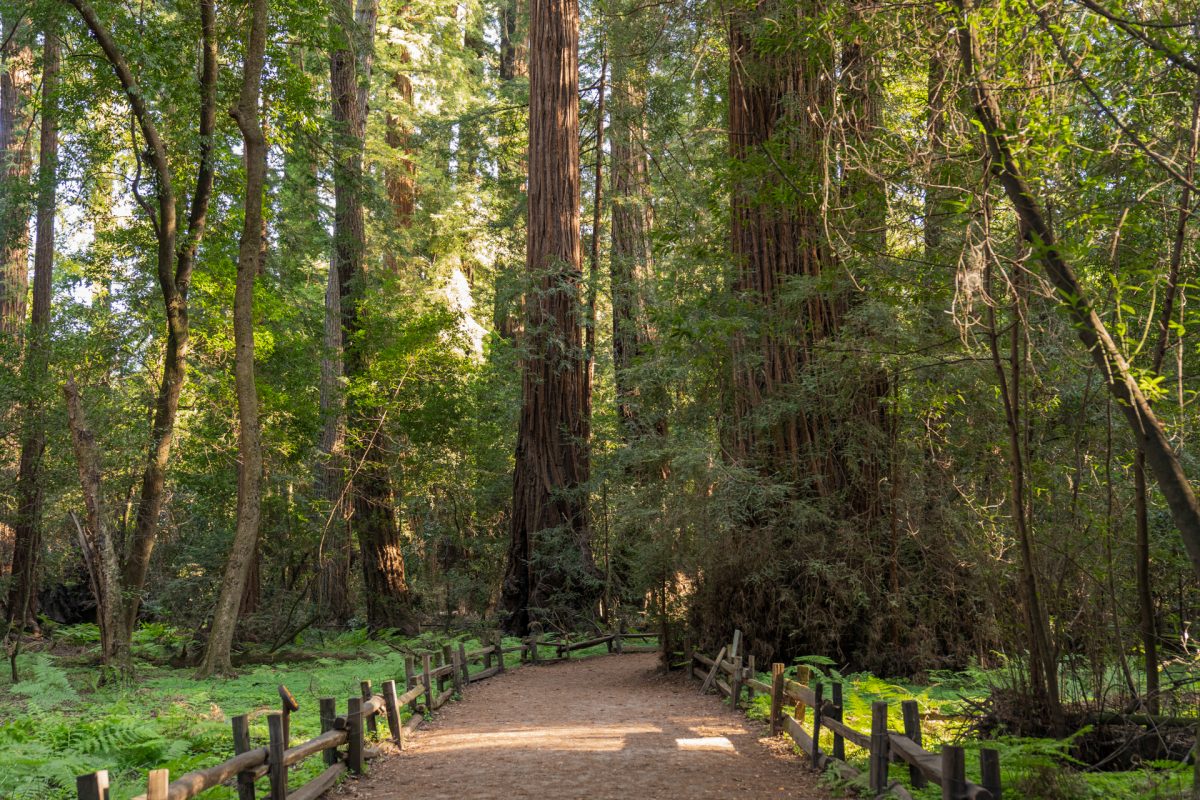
605, 727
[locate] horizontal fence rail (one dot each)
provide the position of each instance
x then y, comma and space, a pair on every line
342, 744
731, 673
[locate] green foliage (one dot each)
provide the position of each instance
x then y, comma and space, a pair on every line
44, 683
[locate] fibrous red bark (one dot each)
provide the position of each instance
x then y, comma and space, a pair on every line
549, 557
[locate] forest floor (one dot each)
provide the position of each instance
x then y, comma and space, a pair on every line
605, 727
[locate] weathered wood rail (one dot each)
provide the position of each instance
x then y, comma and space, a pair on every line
443, 674
733, 674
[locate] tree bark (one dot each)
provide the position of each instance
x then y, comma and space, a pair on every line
373, 519
549, 557
106, 570
28, 538
334, 552
16, 87
514, 65
1122, 384
640, 409
776, 243
251, 250
863, 191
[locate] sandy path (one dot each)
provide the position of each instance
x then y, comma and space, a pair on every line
606, 727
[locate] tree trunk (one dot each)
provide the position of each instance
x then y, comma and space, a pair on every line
1043, 667
549, 564
174, 271
100, 548
251, 250
1145, 592
16, 87
514, 65
373, 519
774, 244
593, 279
863, 190
640, 409
28, 534
334, 552
1122, 383
514, 40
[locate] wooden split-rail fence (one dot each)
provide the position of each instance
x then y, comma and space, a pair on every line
443, 674
733, 674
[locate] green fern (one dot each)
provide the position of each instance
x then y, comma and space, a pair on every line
45, 685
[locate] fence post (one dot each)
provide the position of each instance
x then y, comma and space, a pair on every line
365, 686
393, 713
735, 647
776, 698
455, 672
354, 721
879, 747
689, 655
241, 743
462, 662
618, 642
912, 729
275, 747
750, 673
989, 768
954, 772
93, 786
448, 658
499, 651
156, 784
410, 679
818, 696
288, 705
803, 674
735, 683
839, 743
328, 708
426, 681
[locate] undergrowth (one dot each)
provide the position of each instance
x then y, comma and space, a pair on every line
1032, 769
58, 723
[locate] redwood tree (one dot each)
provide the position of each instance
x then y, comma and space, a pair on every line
549, 556
28, 540
373, 516
16, 84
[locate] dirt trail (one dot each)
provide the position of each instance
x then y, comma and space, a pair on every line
606, 727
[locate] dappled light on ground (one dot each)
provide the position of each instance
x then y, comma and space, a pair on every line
601, 728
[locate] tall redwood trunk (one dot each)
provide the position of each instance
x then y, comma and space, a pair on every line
514, 65
28, 539
863, 189
549, 558
16, 86
774, 243
631, 258
336, 548
251, 250
373, 518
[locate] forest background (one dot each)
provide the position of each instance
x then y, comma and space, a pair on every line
278, 315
